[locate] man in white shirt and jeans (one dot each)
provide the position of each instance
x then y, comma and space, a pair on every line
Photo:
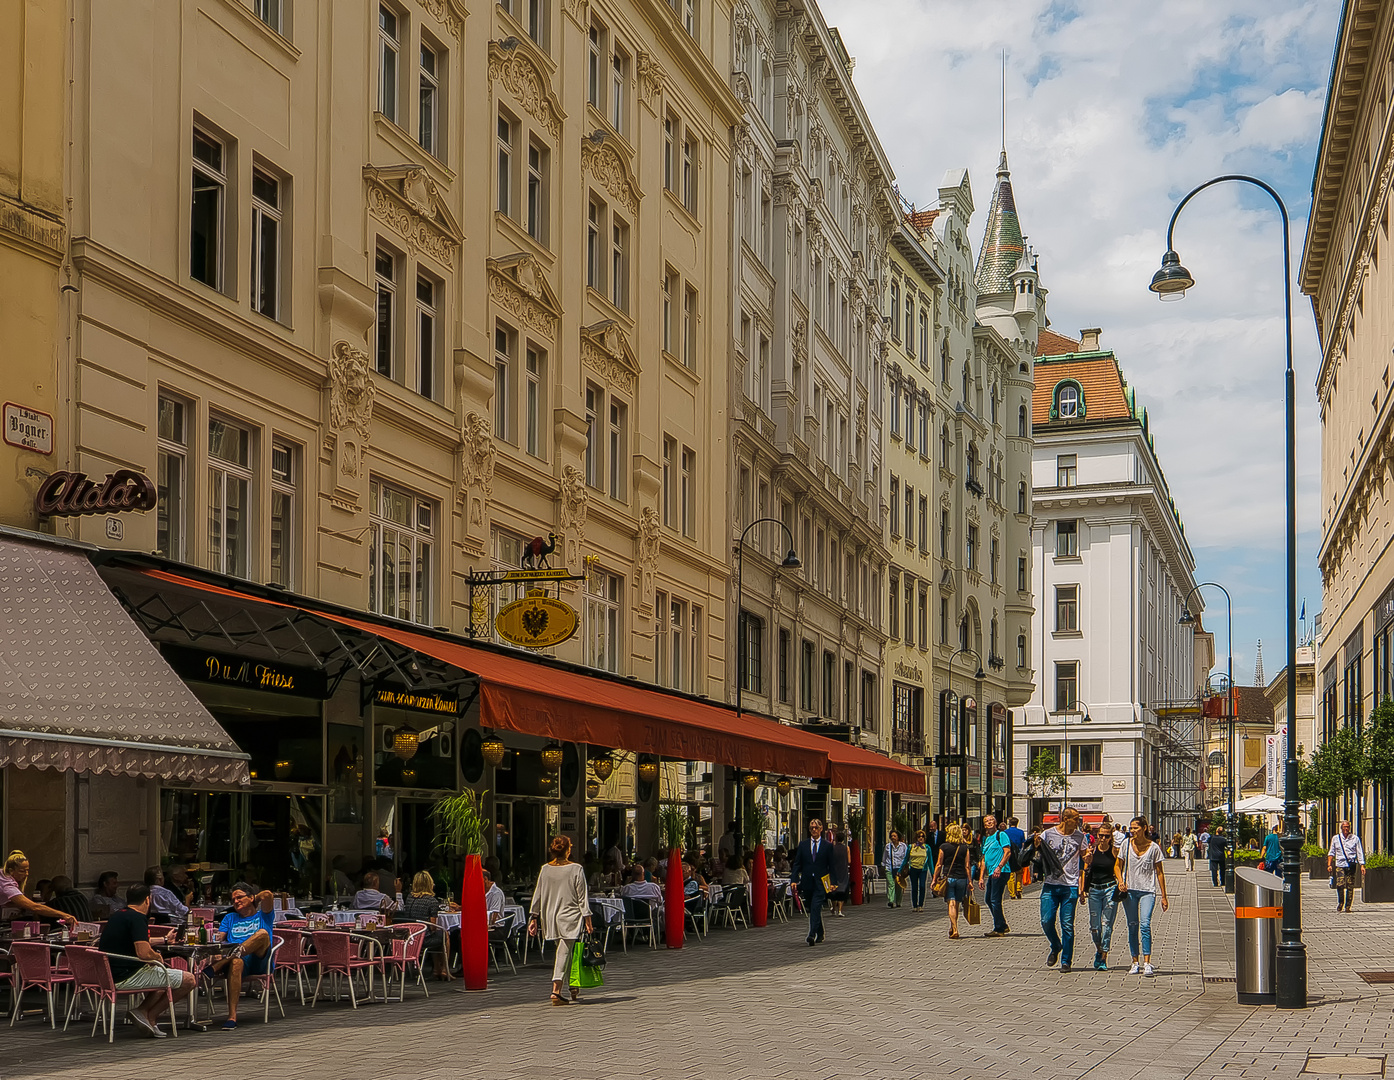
1345, 859
1060, 849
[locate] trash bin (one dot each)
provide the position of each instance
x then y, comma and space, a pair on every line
1258, 907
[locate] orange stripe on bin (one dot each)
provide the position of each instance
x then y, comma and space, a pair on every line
1258, 913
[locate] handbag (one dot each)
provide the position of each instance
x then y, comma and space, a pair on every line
584, 975
939, 886
592, 955
972, 910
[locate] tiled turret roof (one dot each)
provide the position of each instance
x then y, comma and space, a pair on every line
1003, 246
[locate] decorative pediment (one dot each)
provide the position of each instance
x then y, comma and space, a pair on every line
448, 13
407, 201
517, 284
612, 173
605, 349
525, 81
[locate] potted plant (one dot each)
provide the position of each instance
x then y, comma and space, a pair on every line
856, 833
1315, 856
1378, 885
672, 829
756, 822
461, 828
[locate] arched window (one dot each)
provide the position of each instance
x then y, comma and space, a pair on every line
909, 324
895, 309
944, 446
1021, 651
1069, 401
1021, 428
967, 383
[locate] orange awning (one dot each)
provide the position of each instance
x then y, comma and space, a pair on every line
519, 693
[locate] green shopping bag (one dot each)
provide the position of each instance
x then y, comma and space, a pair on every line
581, 975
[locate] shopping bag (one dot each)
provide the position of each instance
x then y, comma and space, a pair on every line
582, 975
971, 909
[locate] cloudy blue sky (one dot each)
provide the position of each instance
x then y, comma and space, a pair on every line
1115, 109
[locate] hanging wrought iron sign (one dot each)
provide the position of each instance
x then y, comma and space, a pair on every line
537, 621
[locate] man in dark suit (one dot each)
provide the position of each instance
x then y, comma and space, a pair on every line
813, 859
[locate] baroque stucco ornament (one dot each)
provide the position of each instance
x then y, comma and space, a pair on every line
575, 503
612, 173
448, 13
518, 285
351, 393
605, 350
647, 546
407, 201
476, 467
525, 81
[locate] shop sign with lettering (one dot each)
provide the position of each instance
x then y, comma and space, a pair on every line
394, 697
536, 622
28, 428
66, 494
226, 670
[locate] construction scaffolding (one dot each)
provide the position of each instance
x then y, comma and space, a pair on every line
1181, 740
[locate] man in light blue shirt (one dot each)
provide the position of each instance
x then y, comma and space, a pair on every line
165, 906
996, 869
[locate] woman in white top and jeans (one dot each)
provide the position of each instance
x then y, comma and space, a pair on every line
1143, 882
561, 911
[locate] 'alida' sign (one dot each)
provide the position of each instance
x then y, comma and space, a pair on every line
67, 494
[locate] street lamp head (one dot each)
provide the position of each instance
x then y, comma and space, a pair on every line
980, 674
1186, 617
791, 561
1173, 279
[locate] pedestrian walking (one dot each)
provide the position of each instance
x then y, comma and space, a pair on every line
812, 863
1272, 860
1345, 859
996, 869
1061, 849
1188, 848
954, 870
934, 836
919, 865
1099, 886
1018, 837
560, 911
1143, 884
1216, 848
893, 860
841, 874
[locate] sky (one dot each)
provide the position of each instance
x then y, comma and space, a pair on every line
1115, 109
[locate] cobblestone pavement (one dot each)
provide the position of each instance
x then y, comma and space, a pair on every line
886, 997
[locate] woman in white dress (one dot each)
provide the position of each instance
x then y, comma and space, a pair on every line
561, 911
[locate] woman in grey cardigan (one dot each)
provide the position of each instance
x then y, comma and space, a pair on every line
561, 911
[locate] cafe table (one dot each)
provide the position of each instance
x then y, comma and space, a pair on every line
196, 954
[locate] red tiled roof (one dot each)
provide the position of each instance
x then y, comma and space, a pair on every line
923, 219
1049, 343
1098, 377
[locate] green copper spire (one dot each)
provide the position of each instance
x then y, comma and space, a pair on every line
1003, 246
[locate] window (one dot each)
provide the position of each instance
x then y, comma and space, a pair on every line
619, 264
943, 620
751, 646
689, 328
229, 496
207, 210
944, 361
924, 337
895, 407
1088, 757
426, 293
996, 551
670, 288
670, 483
538, 162
687, 492
428, 112
1067, 607
619, 79
595, 276
595, 63
505, 349
806, 677
670, 135
1066, 471
944, 534
1067, 401
895, 606
385, 267
785, 644
895, 505
689, 173
401, 549
1022, 428
532, 14
266, 243
910, 417
924, 524
676, 639
909, 324
972, 546
282, 534
924, 429
909, 610
1021, 574
388, 46
1067, 538
1066, 685
506, 130
1021, 651
909, 515
604, 594
895, 310
269, 12
617, 441
924, 617
829, 684
172, 473
1021, 497
869, 702
533, 406
944, 447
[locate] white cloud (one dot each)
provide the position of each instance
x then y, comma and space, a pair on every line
1114, 111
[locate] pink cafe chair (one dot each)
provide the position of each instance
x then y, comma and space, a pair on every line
338, 957
91, 970
33, 971
406, 954
292, 957
265, 985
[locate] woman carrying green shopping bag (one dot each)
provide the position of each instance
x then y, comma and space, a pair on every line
893, 861
561, 912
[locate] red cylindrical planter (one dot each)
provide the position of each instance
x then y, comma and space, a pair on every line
474, 926
854, 871
674, 913
759, 888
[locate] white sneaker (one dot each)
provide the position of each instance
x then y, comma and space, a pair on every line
1147, 970
1134, 969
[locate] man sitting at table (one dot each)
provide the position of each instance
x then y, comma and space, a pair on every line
248, 925
165, 906
105, 900
369, 898
181, 884
493, 899
69, 900
639, 889
127, 934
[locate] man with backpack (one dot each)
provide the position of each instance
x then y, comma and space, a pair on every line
996, 868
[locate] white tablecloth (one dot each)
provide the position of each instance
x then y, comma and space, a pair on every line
612, 906
450, 920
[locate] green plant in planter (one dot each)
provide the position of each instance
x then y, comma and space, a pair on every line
672, 825
1244, 855
755, 821
1379, 860
461, 826
1313, 851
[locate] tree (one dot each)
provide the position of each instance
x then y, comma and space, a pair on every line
1379, 761
1043, 776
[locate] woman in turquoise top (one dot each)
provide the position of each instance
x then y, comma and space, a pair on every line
1272, 853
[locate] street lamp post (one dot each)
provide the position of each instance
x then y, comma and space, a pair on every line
1187, 619
1171, 283
978, 676
791, 562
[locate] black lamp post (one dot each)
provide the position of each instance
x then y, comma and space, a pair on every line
1171, 283
791, 562
1188, 619
953, 700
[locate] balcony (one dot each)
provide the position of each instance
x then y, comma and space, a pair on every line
973, 486
907, 742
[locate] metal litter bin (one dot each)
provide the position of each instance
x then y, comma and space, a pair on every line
1258, 908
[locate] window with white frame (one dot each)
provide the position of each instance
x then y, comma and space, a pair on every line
505, 352
670, 482
229, 497
604, 597
670, 151
428, 293
385, 275
689, 173
401, 553
533, 15
172, 476
534, 401
1066, 470
670, 287
266, 243
617, 435
270, 13
1067, 538
1067, 608
924, 336
687, 492
595, 244
689, 328
507, 134
677, 638
619, 83
595, 405
595, 66
539, 164
282, 536
428, 132
619, 262
389, 50
207, 218
909, 322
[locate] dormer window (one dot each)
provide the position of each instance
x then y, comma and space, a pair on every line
1069, 401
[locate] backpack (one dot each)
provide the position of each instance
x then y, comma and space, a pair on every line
1014, 860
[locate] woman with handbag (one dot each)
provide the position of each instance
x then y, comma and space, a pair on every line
893, 862
1099, 883
952, 874
919, 867
560, 911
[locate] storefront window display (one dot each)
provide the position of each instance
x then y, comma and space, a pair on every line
266, 838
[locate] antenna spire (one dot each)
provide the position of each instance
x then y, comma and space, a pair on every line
1004, 99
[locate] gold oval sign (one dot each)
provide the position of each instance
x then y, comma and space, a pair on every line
536, 622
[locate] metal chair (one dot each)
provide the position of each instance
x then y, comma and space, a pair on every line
639, 915
500, 936
266, 984
695, 912
292, 956
91, 970
607, 916
406, 953
337, 957
34, 972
